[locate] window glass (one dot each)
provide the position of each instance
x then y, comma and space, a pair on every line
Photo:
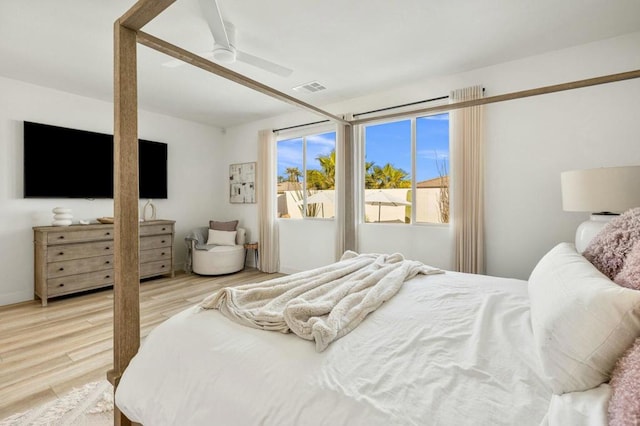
432, 169
387, 174
390, 161
306, 176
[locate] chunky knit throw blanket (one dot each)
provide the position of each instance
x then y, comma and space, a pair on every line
321, 304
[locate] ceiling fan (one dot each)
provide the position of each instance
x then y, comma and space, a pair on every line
224, 46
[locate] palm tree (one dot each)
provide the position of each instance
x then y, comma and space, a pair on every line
325, 178
369, 179
293, 174
376, 177
387, 176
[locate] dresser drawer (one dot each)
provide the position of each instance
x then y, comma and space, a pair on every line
79, 266
74, 283
70, 259
153, 255
78, 251
147, 243
155, 229
155, 268
64, 236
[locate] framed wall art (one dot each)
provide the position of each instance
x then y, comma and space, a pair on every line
242, 183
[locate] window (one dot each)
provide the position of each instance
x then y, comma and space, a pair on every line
306, 176
403, 158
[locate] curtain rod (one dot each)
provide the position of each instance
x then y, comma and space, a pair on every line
299, 125
366, 112
401, 106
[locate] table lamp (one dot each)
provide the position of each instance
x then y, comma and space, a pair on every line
604, 192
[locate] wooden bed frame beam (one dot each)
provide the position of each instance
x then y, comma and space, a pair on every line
198, 61
143, 12
509, 96
126, 289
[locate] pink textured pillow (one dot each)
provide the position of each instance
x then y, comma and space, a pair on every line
629, 276
611, 245
624, 405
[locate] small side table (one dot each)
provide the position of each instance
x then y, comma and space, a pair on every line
253, 246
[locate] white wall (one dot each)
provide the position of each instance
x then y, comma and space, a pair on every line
192, 168
529, 142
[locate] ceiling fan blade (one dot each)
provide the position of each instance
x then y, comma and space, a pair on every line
263, 63
213, 16
177, 62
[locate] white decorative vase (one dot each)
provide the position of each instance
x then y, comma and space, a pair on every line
149, 211
61, 216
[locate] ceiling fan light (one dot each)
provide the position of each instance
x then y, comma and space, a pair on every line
224, 55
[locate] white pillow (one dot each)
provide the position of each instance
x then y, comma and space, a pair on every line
587, 408
222, 238
582, 321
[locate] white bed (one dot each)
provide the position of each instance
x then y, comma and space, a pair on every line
448, 349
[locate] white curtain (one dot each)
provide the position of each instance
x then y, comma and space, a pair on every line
345, 217
467, 183
266, 188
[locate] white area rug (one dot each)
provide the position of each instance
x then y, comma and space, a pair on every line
91, 404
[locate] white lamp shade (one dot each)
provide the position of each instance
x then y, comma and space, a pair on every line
607, 189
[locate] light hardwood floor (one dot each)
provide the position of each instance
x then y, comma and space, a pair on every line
47, 351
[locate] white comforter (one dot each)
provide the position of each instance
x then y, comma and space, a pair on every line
450, 349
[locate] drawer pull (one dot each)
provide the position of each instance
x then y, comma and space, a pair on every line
162, 254
106, 248
61, 285
163, 241
107, 276
61, 237
61, 253
162, 266
107, 233
164, 229
107, 262
61, 269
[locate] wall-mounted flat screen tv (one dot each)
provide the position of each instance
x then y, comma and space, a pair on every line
67, 163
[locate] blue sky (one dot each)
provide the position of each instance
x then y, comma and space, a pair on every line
391, 143
385, 143
290, 151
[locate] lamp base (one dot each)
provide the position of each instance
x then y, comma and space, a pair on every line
590, 228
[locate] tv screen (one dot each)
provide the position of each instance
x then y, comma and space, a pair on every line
69, 163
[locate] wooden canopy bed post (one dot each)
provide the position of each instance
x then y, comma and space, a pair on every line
126, 305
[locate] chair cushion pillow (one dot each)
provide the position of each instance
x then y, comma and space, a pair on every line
232, 225
222, 238
582, 322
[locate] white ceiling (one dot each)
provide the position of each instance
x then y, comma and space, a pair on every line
352, 47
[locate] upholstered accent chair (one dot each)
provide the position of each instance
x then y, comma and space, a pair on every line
213, 252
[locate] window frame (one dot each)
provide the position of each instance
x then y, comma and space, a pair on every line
304, 133
414, 142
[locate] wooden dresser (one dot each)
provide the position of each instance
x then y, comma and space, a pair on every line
76, 258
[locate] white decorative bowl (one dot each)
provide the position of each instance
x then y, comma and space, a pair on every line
63, 216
